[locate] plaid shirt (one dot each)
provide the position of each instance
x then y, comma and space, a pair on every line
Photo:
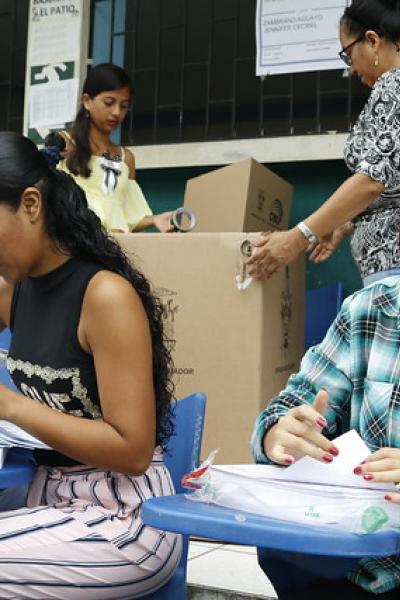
358, 363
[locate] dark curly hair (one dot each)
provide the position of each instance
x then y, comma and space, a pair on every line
381, 16
104, 77
75, 228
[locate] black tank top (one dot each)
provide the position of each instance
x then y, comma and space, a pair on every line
45, 359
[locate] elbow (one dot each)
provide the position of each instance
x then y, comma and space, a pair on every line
138, 464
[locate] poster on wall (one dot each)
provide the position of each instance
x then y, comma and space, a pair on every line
299, 36
56, 64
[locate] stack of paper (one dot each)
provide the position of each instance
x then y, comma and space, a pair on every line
338, 473
11, 436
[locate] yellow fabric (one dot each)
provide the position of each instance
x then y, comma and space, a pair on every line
123, 208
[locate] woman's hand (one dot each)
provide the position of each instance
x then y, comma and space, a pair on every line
275, 250
329, 243
382, 467
163, 223
298, 434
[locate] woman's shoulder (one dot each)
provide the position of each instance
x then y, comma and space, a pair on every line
389, 80
129, 159
6, 294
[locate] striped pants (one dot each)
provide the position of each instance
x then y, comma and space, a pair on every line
81, 537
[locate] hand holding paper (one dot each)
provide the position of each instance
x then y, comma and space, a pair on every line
382, 467
298, 434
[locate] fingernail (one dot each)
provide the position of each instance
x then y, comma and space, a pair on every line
321, 422
387, 497
334, 451
327, 458
357, 471
368, 476
288, 461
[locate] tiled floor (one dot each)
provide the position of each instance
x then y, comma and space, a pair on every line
227, 567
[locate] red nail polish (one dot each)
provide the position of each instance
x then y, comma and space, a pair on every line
288, 461
327, 458
357, 471
334, 451
368, 476
321, 422
387, 497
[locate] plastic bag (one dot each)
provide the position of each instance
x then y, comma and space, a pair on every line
355, 510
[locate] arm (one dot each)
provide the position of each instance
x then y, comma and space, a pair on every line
162, 221
324, 367
130, 161
121, 347
280, 248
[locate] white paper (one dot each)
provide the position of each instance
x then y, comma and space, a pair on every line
299, 36
55, 32
3, 454
53, 103
338, 473
11, 435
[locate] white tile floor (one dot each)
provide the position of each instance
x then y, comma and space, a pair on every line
227, 567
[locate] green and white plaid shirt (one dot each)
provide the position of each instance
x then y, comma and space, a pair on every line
358, 363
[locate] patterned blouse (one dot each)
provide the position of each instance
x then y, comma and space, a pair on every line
373, 148
358, 363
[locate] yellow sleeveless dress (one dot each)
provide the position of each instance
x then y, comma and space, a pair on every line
122, 208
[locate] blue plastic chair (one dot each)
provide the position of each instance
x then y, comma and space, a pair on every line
183, 457
19, 466
5, 340
322, 306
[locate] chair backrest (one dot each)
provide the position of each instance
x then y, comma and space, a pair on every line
5, 340
184, 448
322, 306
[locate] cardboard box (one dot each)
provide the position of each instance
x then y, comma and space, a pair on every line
237, 346
244, 196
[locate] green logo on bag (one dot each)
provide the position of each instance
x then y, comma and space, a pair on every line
312, 512
373, 519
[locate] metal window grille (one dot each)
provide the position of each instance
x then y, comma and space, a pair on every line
192, 63
13, 41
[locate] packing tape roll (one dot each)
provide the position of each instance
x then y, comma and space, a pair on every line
176, 219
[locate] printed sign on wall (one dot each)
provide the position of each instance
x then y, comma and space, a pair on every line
298, 36
56, 63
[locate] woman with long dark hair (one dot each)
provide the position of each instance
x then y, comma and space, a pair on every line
104, 170
89, 358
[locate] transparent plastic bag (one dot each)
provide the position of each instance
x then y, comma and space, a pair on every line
355, 510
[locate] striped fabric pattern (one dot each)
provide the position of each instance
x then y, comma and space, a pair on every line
82, 537
358, 363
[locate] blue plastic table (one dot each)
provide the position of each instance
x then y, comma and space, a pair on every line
19, 468
177, 513
284, 543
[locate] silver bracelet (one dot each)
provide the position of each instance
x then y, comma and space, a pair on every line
306, 231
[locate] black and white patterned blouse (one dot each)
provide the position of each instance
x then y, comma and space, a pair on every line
373, 148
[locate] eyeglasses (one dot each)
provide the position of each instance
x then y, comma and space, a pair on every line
343, 53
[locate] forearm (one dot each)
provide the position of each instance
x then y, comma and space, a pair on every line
145, 223
349, 200
95, 443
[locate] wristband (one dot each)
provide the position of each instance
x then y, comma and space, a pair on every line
306, 231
